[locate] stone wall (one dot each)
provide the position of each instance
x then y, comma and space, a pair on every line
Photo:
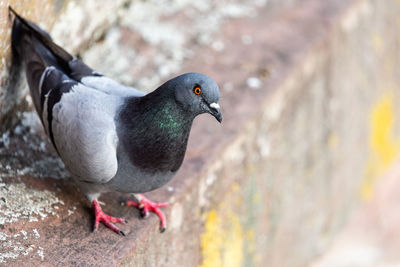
309, 98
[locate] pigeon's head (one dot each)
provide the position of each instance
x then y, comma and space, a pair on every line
197, 93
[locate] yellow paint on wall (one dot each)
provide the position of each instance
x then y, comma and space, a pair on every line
256, 198
212, 241
333, 141
222, 240
250, 239
235, 187
233, 242
377, 42
384, 145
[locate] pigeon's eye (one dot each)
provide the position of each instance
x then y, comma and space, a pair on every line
197, 90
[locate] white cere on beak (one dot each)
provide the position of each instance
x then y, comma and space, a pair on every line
214, 105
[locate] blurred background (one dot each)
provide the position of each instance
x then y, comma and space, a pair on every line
304, 170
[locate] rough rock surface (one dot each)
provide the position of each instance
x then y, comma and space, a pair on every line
310, 123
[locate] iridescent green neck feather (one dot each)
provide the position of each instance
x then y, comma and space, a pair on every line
156, 133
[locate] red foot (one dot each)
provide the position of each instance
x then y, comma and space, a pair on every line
106, 219
147, 206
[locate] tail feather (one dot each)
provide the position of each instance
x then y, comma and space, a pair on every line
28, 39
37, 51
63, 56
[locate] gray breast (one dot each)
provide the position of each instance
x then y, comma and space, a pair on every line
132, 179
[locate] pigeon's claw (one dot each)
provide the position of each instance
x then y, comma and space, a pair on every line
147, 206
107, 220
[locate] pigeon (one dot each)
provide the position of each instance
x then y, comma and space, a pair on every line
111, 137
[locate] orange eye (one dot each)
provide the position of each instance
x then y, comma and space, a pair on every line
197, 90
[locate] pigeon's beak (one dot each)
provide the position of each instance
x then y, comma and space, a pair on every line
215, 110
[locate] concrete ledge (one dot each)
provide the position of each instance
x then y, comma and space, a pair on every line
302, 88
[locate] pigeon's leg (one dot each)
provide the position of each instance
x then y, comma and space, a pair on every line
147, 206
107, 220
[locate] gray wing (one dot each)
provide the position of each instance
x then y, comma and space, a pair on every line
82, 128
87, 76
109, 86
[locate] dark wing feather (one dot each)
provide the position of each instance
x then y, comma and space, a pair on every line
35, 48
58, 52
